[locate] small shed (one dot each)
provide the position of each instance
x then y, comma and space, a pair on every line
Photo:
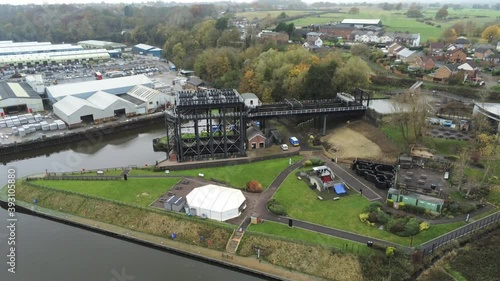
251, 100
175, 203
256, 138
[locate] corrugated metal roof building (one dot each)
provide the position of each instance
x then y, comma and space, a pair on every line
147, 50
18, 98
115, 86
150, 98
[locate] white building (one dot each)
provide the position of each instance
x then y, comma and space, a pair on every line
54, 57
73, 111
491, 111
112, 105
18, 98
251, 100
147, 99
97, 108
216, 202
115, 86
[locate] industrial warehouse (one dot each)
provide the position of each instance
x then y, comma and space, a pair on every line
18, 98
97, 108
45, 53
115, 86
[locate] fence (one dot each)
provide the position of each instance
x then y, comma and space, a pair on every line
225, 162
431, 246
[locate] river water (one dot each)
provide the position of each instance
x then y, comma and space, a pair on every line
50, 251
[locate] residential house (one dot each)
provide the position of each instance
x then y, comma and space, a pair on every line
425, 62
470, 69
494, 59
311, 37
375, 29
337, 30
456, 56
276, 37
444, 73
483, 52
462, 43
436, 49
394, 47
406, 39
385, 39
407, 56
365, 36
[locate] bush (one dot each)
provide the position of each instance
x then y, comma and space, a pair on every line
276, 208
415, 209
307, 163
424, 225
254, 186
411, 228
317, 162
389, 251
373, 207
390, 203
378, 217
363, 217
396, 225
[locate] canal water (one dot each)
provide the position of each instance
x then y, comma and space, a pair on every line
50, 251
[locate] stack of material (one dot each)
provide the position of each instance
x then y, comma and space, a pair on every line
22, 119
3, 124
30, 118
32, 128
60, 124
45, 126
53, 126
26, 129
16, 121
38, 126
15, 131
22, 133
38, 118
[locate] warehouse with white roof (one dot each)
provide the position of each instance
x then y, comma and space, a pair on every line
147, 50
97, 108
147, 99
216, 202
18, 98
115, 86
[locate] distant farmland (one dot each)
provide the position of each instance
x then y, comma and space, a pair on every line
392, 20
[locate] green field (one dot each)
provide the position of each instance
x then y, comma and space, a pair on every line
263, 171
274, 14
397, 21
307, 236
301, 202
140, 192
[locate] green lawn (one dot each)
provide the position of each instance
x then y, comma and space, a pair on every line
494, 196
273, 14
140, 192
301, 202
106, 172
307, 236
237, 175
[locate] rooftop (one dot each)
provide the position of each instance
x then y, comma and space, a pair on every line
246, 96
362, 21
143, 93
39, 48
16, 90
69, 104
144, 46
62, 90
493, 109
102, 99
101, 43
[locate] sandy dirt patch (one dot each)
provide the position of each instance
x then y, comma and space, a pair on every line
361, 140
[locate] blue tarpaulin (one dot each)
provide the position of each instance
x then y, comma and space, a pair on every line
339, 188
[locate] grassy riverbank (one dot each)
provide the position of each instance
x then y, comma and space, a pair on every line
146, 220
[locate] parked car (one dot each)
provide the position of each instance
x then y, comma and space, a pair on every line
284, 147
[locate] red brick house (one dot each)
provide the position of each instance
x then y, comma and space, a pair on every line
276, 37
444, 73
435, 49
456, 56
256, 138
482, 53
427, 63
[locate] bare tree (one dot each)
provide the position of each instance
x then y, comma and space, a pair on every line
409, 116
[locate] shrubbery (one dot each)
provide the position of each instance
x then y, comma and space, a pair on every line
307, 163
414, 209
276, 208
254, 186
373, 207
389, 251
390, 203
424, 225
317, 162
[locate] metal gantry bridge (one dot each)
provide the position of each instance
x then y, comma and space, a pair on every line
212, 123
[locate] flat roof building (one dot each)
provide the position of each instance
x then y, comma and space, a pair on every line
18, 98
115, 86
54, 57
19, 50
97, 44
362, 22
147, 50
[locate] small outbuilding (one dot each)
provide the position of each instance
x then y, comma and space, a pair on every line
216, 202
147, 99
251, 100
175, 204
256, 138
427, 202
18, 98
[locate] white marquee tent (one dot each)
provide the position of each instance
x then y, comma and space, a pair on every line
216, 202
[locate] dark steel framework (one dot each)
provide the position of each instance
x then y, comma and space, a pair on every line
207, 124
